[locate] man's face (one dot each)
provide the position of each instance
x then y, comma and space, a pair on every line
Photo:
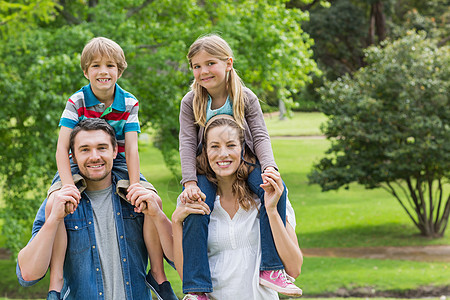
94, 154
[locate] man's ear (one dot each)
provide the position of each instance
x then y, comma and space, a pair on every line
116, 151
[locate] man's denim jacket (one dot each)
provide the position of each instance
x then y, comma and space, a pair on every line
82, 273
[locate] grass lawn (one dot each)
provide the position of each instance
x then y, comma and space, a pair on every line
300, 124
345, 218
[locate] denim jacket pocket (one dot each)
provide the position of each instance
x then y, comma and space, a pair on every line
133, 223
77, 235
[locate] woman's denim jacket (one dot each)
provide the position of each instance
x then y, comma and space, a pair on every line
82, 273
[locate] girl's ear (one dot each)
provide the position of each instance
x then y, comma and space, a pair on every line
229, 63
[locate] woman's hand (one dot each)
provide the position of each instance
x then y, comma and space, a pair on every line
185, 209
273, 188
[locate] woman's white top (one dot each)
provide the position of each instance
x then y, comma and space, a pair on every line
234, 252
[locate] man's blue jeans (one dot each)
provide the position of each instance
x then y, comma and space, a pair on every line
196, 272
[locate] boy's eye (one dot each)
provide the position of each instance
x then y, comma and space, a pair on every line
211, 63
196, 67
111, 66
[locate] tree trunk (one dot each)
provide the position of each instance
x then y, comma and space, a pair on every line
377, 23
282, 109
429, 210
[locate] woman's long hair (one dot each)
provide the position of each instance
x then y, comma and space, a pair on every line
240, 187
216, 46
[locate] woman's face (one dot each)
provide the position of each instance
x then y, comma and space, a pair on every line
223, 149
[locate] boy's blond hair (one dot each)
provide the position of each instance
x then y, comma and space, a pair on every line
216, 46
104, 47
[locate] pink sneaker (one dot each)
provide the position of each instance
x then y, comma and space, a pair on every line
279, 281
196, 297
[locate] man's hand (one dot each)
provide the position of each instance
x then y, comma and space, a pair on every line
144, 200
191, 193
64, 198
70, 208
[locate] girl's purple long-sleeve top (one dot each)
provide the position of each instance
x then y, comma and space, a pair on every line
191, 135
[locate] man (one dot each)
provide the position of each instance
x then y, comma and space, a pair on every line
106, 255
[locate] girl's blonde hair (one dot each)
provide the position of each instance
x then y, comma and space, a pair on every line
240, 187
216, 46
106, 48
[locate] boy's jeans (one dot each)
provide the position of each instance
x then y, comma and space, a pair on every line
196, 273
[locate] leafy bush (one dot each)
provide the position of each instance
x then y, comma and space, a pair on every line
389, 127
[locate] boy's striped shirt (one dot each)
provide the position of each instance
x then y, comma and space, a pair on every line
122, 115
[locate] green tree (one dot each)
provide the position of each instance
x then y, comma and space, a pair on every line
389, 128
39, 70
342, 29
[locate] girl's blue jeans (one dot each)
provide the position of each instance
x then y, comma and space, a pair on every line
196, 272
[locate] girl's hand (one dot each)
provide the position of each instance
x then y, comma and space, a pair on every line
185, 209
273, 188
191, 193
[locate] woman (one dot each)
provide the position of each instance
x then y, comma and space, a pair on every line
234, 251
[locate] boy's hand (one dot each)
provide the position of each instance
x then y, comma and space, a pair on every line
191, 193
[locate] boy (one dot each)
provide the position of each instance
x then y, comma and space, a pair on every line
103, 63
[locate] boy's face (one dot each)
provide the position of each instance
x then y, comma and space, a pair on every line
103, 73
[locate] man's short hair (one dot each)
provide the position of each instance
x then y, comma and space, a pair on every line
89, 125
106, 48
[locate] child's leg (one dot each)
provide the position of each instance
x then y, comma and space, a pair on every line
156, 278
270, 260
196, 273
58, 254
154, 249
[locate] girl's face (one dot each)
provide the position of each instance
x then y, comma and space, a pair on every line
223, 149
210, 72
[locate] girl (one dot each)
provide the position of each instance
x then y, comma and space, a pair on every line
217, 89
234, 251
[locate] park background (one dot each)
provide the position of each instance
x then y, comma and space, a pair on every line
373, 73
